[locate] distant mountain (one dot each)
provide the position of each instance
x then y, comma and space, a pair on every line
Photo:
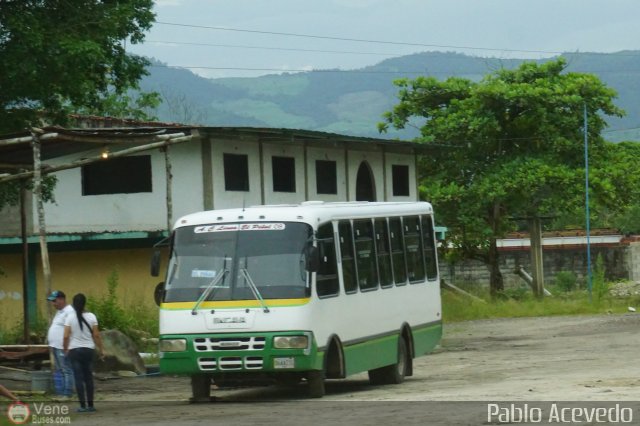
351, 102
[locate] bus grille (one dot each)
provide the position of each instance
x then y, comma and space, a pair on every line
230, 363
207, 344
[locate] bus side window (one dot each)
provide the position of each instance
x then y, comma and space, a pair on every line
365, 254
327, 283
413, 244
348, 258
384, 253
429, 247
397, 251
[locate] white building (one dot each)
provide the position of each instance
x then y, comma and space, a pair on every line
109, 212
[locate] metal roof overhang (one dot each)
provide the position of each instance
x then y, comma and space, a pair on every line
16, 156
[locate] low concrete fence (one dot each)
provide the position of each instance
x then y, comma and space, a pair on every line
620, 256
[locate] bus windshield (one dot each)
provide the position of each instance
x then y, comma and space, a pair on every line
270, 254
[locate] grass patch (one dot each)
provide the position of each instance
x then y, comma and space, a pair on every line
457, 307
14, 334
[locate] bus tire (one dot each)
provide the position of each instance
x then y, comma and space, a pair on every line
200, 388
288, 380
315, 383
393, 374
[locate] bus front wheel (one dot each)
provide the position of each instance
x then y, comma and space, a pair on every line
395, 373
315, 381
200, 388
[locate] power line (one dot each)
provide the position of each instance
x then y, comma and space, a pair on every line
351, 52
314, 36
396, 43
620, 130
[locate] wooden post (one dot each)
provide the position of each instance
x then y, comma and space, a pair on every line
25, 262
535, 229
37, 191
167, 163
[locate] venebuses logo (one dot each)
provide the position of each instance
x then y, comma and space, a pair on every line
18, 413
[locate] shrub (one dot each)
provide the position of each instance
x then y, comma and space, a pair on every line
566, 281
600, 286
136, 320
15, 335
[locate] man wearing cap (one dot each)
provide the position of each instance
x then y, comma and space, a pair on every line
55, 336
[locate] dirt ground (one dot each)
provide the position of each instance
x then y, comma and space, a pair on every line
528, 360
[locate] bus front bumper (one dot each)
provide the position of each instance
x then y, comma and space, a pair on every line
238, 353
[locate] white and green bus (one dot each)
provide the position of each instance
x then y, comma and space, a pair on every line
308, 292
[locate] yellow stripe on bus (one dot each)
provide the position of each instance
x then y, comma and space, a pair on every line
235, 304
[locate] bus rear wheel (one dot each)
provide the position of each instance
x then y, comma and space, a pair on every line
395, 373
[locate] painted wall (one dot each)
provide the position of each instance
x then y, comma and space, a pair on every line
79, 271
400, 160
328, 154
74, 213
187, 186
283, 150
223, 199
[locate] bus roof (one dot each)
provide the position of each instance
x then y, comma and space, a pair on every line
311, 212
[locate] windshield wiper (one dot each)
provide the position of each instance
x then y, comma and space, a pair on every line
254, 289
212, 285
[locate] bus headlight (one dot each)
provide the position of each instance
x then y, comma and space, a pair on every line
173, 345
291, 342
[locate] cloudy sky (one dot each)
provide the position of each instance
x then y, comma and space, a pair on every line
224, 38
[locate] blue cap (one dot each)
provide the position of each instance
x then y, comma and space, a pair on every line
55, 294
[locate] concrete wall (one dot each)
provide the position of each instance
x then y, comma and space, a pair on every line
633, 260
616, 262
10, 220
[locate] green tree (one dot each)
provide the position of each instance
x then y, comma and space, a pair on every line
516, 149
62, 55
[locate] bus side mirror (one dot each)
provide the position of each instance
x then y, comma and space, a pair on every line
313, 259
155, 263
158, 293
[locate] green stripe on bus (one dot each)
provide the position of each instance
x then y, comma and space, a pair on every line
371, 354
383, 351
425, 339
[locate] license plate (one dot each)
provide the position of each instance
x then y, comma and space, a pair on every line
283, 362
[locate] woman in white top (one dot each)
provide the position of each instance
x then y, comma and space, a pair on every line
81, 337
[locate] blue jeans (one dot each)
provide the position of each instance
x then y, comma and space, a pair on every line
82, 363
63, 365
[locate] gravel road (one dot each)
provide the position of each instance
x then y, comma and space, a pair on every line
589, 360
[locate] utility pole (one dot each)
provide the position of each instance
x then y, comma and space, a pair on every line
587, 214
535, 232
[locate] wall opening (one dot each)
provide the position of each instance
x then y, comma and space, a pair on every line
400, 180
365, 184
326, 177
284, 174
123, 175
236, 172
